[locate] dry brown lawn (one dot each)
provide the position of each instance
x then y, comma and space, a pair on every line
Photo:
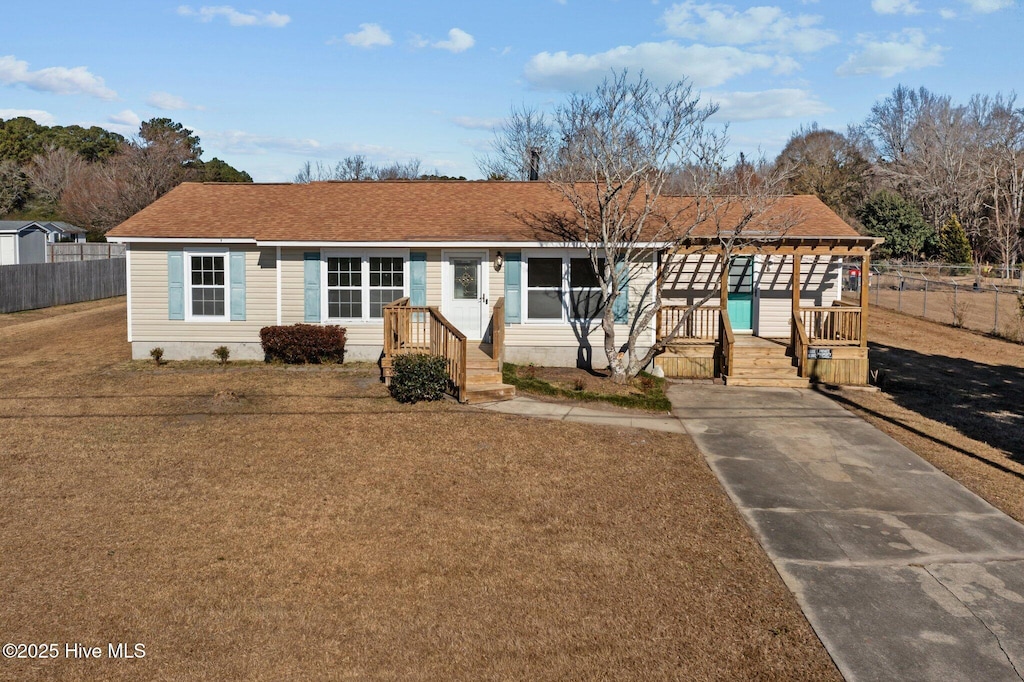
269, 523
953, 396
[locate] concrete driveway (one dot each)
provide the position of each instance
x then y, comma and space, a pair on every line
903, 573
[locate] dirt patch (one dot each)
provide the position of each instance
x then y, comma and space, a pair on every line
573, 379
953, 396
260, 523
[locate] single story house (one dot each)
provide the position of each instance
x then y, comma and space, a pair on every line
25, 241
210, 264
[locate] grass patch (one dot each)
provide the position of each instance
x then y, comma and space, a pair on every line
649, 390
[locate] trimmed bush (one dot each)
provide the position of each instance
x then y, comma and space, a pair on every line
300, 344
417, 377
222, 353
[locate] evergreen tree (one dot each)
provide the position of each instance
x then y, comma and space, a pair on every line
887, 214
953, 244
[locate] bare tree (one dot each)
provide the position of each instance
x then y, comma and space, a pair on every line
520, 147
51, 171
14, 186
1002, 126
357, 168
618, 147
827, 164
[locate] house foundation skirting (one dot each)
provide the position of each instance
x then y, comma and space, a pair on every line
249, 350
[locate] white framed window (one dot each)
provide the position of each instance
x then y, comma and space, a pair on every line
561, 286
387, 282
207, 277
344, 287
358, 284
584, 289
545, 279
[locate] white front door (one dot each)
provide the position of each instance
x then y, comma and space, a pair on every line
465, 295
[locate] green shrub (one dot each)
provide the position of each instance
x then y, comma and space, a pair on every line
222, 353
300, 344
417, 377
158, 355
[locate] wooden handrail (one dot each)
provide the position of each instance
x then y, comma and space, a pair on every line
728, 340
693, 323
799, 343
838, 325
498, 332
423, 329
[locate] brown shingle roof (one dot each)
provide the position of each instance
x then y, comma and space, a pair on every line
394, 212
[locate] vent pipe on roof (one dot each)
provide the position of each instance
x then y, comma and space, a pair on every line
534, 164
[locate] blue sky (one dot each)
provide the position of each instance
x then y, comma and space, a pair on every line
271, 85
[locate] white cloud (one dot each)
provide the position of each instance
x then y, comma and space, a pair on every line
57, 79
768, 27
474, 123
988, 6
169, 102
766, 104
125, 118
458, 41
41, 117
947, 13
369, 35
241, 142
895, 7
234, 17
661, 62
901, 52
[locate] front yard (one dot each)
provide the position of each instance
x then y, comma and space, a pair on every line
272, 523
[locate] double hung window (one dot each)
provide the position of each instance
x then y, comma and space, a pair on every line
207, 277
358, 286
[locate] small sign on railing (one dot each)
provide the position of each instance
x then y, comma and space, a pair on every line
819, 353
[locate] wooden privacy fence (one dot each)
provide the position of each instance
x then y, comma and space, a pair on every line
701, 325
837, 325
41, 285
423, 329
65, 252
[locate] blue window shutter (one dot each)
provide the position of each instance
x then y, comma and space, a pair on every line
621, 306
237, 268
513, 287
175, 285
417, 278
311, 262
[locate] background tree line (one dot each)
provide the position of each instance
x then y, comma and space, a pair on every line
937, 178
95, 178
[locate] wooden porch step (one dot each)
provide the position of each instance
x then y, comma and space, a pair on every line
767, 372
762, 361
481, 376
489, 393
777, 382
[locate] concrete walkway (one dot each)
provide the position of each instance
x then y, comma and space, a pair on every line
902, 572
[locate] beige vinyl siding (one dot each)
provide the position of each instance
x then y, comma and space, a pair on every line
818, 278
149, 299
689, 279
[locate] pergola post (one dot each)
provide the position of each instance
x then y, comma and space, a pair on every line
796, 284
723, 283
865, 281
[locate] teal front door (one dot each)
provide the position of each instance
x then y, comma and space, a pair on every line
741, 293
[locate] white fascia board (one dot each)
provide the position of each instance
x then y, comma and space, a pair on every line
179, 240
448, 245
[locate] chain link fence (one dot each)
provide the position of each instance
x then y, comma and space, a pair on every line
962, 296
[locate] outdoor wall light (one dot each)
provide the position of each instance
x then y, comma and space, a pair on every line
499, 260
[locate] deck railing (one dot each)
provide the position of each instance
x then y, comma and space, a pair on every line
799, 343
498, 332
423, 329
832, 326
728, 340
702, 324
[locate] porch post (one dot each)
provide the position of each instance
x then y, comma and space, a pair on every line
796, 283
865, 279
723, 283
